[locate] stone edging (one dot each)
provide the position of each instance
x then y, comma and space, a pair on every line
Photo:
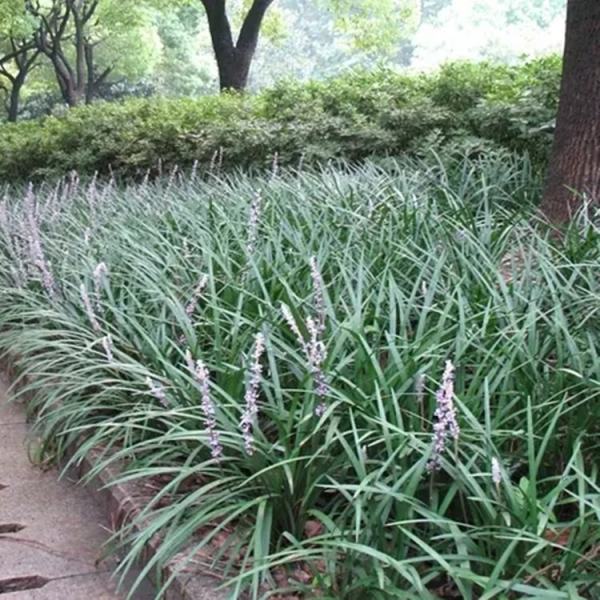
121, 502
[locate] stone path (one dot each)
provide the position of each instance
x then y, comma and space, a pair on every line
51, 531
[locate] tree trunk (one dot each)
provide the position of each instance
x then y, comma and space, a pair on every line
68, 87
234, 60
94, 81
574, 170
24, 56
15, 96
71, 89
234, 69
74, 94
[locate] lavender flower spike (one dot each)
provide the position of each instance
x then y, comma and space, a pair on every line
37, 257
445, 418
496, 472
289, 318
190, 309
316, 357
251, 395
314, 349
107, 344
158, 391
208, 408
315, 353
99, 273
253, 223
87, 303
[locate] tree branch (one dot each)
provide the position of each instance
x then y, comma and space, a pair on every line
218, 24
250, 30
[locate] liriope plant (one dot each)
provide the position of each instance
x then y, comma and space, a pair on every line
328, 378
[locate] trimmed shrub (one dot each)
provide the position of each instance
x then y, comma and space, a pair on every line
355, 116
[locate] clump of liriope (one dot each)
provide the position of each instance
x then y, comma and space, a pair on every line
337, 507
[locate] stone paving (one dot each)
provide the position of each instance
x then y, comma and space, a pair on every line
51, 530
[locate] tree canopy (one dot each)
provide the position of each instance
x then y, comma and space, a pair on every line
165, 47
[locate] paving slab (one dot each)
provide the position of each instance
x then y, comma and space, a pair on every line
87, 587
15, 459
50, 528
10, 412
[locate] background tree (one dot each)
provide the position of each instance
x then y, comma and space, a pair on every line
234, 57
72, 33
63, 36
574, 169
126, 43
369, 23
18, 53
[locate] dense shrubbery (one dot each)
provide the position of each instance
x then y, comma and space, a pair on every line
120, 289
360, 115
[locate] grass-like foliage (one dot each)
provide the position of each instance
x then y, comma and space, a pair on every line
361, 382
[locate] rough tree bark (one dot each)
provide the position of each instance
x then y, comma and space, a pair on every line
574, 169
22, 57
234, 59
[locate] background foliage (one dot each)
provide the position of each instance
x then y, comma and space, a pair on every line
164, 47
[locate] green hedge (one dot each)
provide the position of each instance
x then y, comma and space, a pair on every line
355, 116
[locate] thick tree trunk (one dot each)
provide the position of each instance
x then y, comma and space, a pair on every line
234, 59
574, 171
234, 69
71, 92
74, 94
15, 96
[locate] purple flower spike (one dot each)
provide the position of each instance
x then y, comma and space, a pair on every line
89, 309
158, 391
445, 419
100, 273
253, 223
496, 472
107, 344
36, 253
318, 295
314, 349
208, 409
191, 306
251, 395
